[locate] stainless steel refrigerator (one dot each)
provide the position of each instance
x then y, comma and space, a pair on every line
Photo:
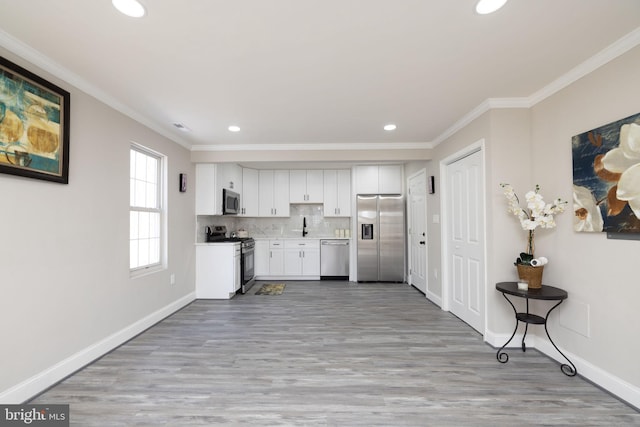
381, 241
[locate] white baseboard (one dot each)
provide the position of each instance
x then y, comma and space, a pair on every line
607, 381
32, 386
434, 298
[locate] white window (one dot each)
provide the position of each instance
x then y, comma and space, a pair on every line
146, 209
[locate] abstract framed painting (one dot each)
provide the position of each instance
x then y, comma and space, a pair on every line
34, 125
606, 178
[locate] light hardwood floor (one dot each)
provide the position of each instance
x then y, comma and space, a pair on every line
326, 354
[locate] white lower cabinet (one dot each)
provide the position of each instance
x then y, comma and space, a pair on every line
288, 259
261, 258
302, 257
276, 258
217, 270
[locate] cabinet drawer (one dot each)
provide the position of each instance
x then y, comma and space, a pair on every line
302, 244
276, 244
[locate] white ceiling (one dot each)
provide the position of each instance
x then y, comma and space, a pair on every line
311, 71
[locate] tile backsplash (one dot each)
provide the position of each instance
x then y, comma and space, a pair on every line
317, 224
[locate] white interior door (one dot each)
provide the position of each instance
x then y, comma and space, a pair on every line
465, 234
417, 231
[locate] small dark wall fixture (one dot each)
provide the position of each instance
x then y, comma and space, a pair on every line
34, 125
183, 183
431, 184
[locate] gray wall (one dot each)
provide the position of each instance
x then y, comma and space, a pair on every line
64, 255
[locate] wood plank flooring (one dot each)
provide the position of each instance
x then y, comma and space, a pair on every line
326, 354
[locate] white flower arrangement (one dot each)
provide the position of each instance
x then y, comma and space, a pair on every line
537, 214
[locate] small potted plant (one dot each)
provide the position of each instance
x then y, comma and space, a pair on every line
536, 214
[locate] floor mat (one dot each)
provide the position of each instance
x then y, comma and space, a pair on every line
271, 289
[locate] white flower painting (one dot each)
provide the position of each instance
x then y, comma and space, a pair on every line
606, 178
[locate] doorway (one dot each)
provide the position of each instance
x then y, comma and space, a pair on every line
463, 237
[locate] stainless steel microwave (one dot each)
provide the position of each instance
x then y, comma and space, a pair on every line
230, 202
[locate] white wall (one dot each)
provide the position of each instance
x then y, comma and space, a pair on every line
64, 255
533, 146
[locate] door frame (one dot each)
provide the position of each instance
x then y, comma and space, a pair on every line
445, 221
422, 171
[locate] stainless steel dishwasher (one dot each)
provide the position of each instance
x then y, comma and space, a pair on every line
334, 259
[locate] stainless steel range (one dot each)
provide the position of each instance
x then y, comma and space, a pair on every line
218, 233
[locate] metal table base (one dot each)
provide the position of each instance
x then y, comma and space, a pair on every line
548, 293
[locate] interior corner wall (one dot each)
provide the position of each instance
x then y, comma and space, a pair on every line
597, 323
506, 136
64, 255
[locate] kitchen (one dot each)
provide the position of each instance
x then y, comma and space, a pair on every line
290, 222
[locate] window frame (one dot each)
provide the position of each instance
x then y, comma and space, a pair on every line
159, 208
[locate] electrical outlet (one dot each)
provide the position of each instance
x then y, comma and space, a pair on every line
172, 278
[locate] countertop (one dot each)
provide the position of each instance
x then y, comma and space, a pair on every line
300, 238
216, 243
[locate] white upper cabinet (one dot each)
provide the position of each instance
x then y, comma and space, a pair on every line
229, 176
390, 179
337, 193
280, 198
249, 199
206, 189
382, 179
366, 179
210, 180
273, 194
306, 186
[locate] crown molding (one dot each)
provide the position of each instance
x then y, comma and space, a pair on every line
606, 55
486, 105
337, 146
613, 51
31, 55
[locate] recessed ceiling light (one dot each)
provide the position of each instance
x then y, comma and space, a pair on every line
489, 6
131, 8
390, 127
234, 128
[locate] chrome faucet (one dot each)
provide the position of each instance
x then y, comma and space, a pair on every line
304, 226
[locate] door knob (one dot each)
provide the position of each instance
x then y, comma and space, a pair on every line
422, 242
